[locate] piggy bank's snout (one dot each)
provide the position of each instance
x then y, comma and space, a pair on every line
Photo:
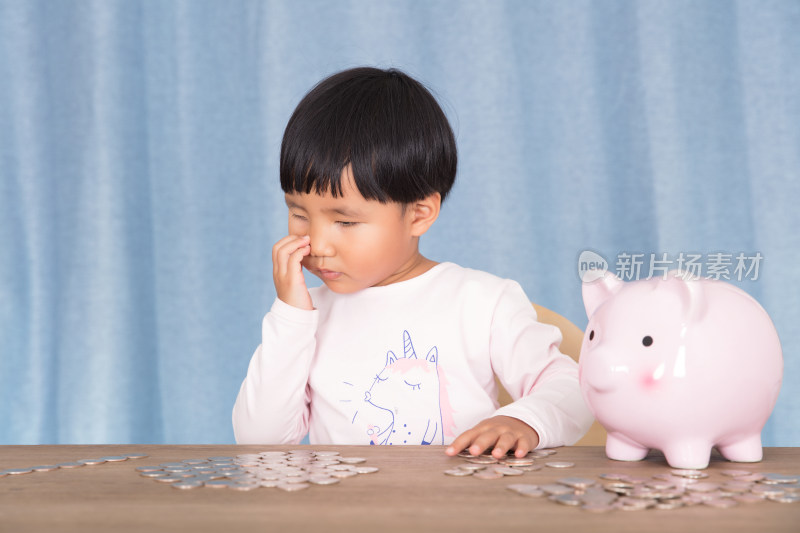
599, 371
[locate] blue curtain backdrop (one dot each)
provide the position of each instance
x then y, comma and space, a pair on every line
139, 195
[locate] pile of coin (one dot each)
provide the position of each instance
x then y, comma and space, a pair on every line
670, 490
486, 466
288, 471
71, 464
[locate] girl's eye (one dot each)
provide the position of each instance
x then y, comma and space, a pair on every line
298, 217
346, 224
414, 386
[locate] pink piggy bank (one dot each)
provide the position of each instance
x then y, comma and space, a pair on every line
679, 365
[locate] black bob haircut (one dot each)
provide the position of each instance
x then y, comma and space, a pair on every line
383, 123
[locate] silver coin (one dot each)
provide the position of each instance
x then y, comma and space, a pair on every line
44, 468
788, 497
596, 495
482, 460
576, 482
791, 487
632, 504
660, 485
136, 455
755, 476
734, 473
343, 473
293, 487
165, 465
560, 464
168, 479
91, 462
613, 476
70, 464
767, 490
270, 483
218, 484
779, 479
366, 469
323, 480
471, 467
518, 461
221, 458
542, 453
556, 489
207, 477
154, 474
187, 485
692, 474
487, 474
326, 453
176, 469
115, 458
508, 471
352, 460
194, 462
458, 472
619, 485
296, 479
567, 499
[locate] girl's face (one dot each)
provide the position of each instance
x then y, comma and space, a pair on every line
357, 243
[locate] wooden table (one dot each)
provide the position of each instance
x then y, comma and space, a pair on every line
410, 493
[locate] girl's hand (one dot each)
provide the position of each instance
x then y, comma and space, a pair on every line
501, 434
287, 270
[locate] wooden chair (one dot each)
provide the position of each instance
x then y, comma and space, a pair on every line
571, 346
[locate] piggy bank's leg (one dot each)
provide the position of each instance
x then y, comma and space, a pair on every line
747, 450
688, 454
621, 448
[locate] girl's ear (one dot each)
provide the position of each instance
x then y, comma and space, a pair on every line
423, 213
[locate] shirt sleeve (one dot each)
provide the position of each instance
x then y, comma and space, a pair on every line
273, 402
542, 380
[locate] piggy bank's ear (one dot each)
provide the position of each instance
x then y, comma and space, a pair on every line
599, 290
692, 295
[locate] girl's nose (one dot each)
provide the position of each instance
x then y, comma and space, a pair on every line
320, 243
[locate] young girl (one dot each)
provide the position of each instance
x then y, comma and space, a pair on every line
394, 348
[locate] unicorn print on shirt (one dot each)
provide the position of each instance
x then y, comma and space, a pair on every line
408, 391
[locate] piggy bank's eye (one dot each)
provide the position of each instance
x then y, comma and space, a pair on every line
591, 335
647, 341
